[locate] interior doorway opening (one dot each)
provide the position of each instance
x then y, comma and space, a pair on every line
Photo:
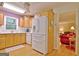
67, 34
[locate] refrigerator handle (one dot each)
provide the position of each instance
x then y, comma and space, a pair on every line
38, 26
34, 28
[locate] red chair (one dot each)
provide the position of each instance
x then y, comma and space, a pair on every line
64, 39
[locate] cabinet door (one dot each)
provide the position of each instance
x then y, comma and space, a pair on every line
12, 39
26, 22
23, 38
17, 39
21, 22
1, 19
9, 40
30, 22
2, 41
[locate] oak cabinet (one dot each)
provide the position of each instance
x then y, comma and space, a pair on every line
2, 41
22, 38
30, 22
8, 40
1, 19
21, 22
25, 22
19, 38
16, 39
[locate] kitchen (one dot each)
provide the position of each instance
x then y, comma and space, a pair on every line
13, 28
16, 28
32, 28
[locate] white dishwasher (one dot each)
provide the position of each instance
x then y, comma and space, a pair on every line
28, 38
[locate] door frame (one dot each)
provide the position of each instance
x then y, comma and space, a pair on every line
56, 31
77, 32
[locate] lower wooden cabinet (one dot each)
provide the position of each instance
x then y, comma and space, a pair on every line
22, 38
16, 39
2, 42
8, 40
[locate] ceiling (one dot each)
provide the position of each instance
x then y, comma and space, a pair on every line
67, 17
65, 8
56, 6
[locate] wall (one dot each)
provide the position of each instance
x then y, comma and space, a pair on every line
67, 27
2, 28
67, 19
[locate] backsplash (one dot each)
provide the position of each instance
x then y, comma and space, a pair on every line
19, 30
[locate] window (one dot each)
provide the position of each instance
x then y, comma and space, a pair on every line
10, 23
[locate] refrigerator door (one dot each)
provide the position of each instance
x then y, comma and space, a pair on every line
35, 25
39, 35
40, 25
43, 25
39, 43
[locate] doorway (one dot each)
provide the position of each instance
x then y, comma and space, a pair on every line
67, 34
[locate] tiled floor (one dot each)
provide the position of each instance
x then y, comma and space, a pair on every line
28, 51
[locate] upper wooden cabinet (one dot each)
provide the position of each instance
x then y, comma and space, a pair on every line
30, 21
21, 22
25, 22
1, 19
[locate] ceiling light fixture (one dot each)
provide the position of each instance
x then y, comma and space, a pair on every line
14, 8
27, 8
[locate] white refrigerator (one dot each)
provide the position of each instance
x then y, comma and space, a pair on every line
40, 34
